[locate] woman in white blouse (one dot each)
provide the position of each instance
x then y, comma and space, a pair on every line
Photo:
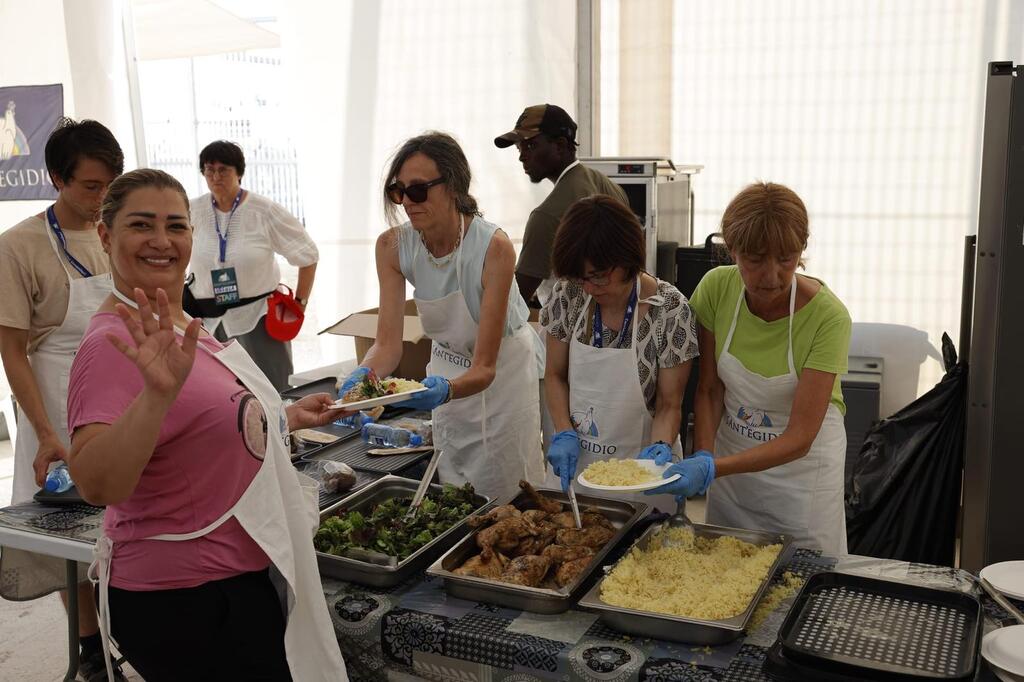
234, 266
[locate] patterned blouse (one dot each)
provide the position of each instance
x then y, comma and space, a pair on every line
667, 333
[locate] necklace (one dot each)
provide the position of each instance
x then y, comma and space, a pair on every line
443, 261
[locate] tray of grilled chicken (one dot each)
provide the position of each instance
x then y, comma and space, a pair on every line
528, 554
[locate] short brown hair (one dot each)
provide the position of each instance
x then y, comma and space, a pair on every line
125, 184
765, 217
603, 231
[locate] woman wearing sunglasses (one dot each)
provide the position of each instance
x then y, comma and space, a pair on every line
482, 376
620, 344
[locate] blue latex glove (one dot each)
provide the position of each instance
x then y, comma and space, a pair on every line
436, 394
563, 454
352, 379
695, 475
659, 452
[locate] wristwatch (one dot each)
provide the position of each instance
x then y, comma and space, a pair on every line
301, 301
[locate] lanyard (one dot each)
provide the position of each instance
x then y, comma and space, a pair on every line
627, 320
51, 217
222, 239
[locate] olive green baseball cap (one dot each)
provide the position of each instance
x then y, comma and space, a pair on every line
549, 119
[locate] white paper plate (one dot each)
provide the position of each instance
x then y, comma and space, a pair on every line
1007, 577
1004, 649
383, 400
1005, 676
649, 464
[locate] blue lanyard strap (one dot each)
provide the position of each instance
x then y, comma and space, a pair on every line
51, 217
627, 320
222, 239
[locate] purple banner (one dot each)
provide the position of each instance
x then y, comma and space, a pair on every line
28, 114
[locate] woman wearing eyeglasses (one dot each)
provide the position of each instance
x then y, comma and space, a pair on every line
620, 344
238, 236
482, 376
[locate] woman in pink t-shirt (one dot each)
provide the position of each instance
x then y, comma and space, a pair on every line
169, 432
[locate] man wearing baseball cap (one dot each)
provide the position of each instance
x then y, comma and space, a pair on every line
545, 136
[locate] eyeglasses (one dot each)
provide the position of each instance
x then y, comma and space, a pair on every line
598, 279
220, 171
416, 193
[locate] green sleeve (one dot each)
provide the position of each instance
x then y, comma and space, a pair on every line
538, 240
830, 348
708, 295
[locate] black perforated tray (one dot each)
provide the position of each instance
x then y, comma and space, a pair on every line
865, 628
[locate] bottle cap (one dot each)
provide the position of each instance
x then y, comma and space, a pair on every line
415, 440
51, 484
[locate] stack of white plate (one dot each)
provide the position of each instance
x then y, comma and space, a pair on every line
1004, 648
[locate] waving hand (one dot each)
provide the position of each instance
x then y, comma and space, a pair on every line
162, 361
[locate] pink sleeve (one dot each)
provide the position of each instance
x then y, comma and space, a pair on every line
103, 381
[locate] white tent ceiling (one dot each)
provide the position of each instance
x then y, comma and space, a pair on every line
166, 29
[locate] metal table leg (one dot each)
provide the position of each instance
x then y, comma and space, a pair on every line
73, 643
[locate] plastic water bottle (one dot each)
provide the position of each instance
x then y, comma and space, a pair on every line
390, 437
58, 480
354, 421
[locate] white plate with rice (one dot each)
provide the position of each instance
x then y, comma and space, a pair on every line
624, 475
380, 400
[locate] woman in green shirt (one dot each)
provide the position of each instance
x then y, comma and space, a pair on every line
769, 409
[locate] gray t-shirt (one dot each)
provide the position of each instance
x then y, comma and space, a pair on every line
541, 226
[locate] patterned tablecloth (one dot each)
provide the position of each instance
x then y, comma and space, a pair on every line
417, 631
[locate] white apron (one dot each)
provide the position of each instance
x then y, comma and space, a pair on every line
279, 511
28, 575
607, 406
491, 439
51, 364
803, 498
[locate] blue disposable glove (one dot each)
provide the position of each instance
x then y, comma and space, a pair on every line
695, 475
563, 454
661, 453
436, 394
352, 379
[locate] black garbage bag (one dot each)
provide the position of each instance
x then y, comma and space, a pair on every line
903, 499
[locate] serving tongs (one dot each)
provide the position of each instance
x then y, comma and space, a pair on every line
575, 506
421, 489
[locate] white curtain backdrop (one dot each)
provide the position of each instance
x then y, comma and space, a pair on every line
365, 76
871, 111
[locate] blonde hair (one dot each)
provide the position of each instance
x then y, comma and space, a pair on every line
766, 218
124, 185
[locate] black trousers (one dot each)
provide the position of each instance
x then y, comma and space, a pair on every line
231, 629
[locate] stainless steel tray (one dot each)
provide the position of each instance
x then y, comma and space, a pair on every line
382, 573
623, 516
689, 630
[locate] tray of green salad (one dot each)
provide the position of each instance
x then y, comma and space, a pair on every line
365, 538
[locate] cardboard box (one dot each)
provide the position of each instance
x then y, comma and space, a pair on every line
362, 327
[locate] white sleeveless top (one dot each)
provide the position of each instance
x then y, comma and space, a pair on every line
432, 282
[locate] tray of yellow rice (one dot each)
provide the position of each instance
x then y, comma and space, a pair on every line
698, 587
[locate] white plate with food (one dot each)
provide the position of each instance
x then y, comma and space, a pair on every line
1004, 648
1007, 577
374, 392
624, 475
387, 399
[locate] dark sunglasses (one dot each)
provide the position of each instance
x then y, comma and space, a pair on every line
417, 193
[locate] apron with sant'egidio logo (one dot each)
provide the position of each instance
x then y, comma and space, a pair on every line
802, 498
607, 405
